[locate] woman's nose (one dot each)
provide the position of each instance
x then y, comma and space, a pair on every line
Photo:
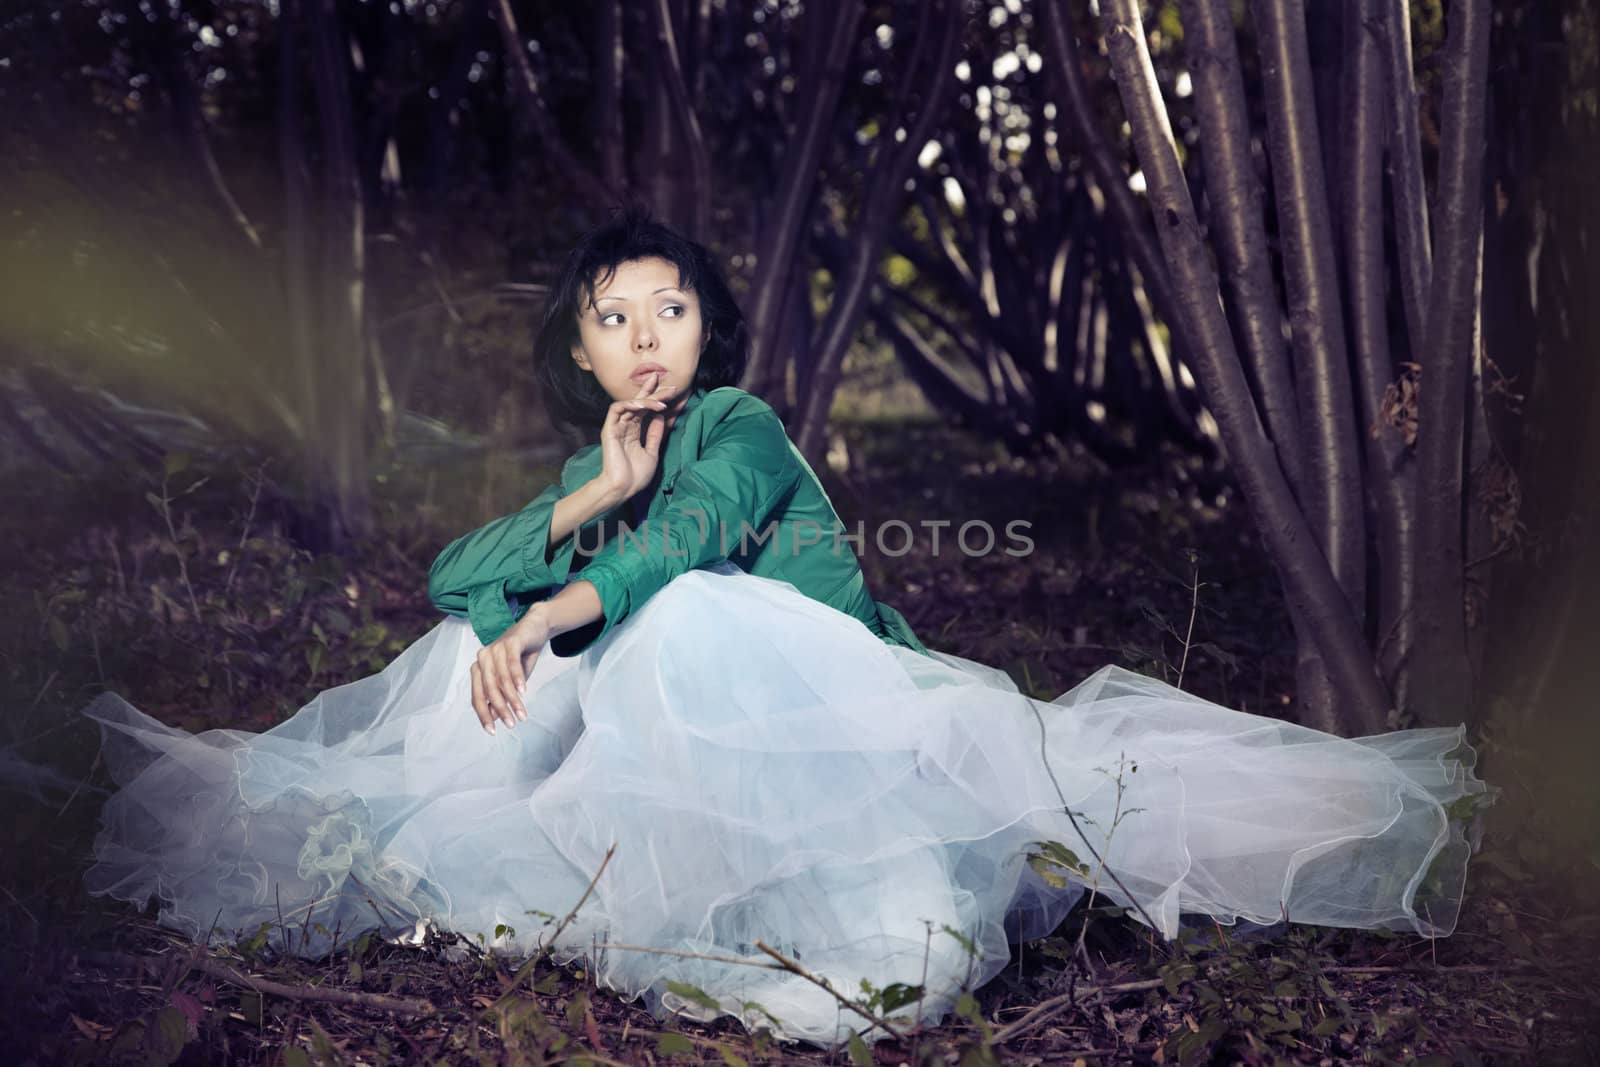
644, 339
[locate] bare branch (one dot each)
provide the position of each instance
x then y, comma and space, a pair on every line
585, 181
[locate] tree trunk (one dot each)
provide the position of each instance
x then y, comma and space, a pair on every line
1442, 677
298, 263
693, 202
608, 95
344, 342
1236, 195
1390, 472
1331, 492
1084, 120
780, 236
885, 188
1312, 591
1405, 172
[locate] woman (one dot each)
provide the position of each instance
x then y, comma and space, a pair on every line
687, 696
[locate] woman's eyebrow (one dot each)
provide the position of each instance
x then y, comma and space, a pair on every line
663, 289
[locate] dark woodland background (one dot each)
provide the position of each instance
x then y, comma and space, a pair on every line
1269, 316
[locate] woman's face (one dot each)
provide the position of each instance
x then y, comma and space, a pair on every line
641, 321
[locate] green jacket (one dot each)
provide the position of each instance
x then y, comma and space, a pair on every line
731, 486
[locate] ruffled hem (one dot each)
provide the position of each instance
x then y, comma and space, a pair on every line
770, 771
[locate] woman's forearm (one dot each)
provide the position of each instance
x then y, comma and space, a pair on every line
578, 507
578, 604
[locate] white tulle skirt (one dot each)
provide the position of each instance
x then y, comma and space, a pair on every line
769, 771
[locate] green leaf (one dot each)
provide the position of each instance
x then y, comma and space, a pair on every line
967, 1008
1059, 855
175, 463
962, 939
164, 1041
755, 1007
250, 1008
897, 995
977, 1055
695, 995
322, 1044
1174, 975
1047, 870
731, 1058
548, 985
674, 1045
576, 1008
58, 634
860, 1054
295, 1056
371, 634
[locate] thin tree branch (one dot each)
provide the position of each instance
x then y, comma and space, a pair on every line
589, 185
1083, 116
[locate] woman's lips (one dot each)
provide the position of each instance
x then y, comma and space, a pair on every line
644, 369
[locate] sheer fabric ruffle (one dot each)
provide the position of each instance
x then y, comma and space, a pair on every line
770, 771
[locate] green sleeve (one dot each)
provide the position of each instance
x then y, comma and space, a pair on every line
477, 574
746, 470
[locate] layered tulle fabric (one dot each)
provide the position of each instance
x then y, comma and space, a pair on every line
769, 771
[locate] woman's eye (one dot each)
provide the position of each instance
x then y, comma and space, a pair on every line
606, 319
676, 309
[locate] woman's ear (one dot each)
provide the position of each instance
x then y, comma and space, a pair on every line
581, 358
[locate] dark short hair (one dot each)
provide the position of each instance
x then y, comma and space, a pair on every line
573, 395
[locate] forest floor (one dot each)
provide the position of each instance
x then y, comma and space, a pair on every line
179, 589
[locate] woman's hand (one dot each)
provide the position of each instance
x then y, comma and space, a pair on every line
500, 673
629, 449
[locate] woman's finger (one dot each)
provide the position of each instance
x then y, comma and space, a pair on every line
494, 684
506, 676
480, 706
492, 699
652, 440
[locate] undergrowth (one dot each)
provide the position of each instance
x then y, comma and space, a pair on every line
180, 588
